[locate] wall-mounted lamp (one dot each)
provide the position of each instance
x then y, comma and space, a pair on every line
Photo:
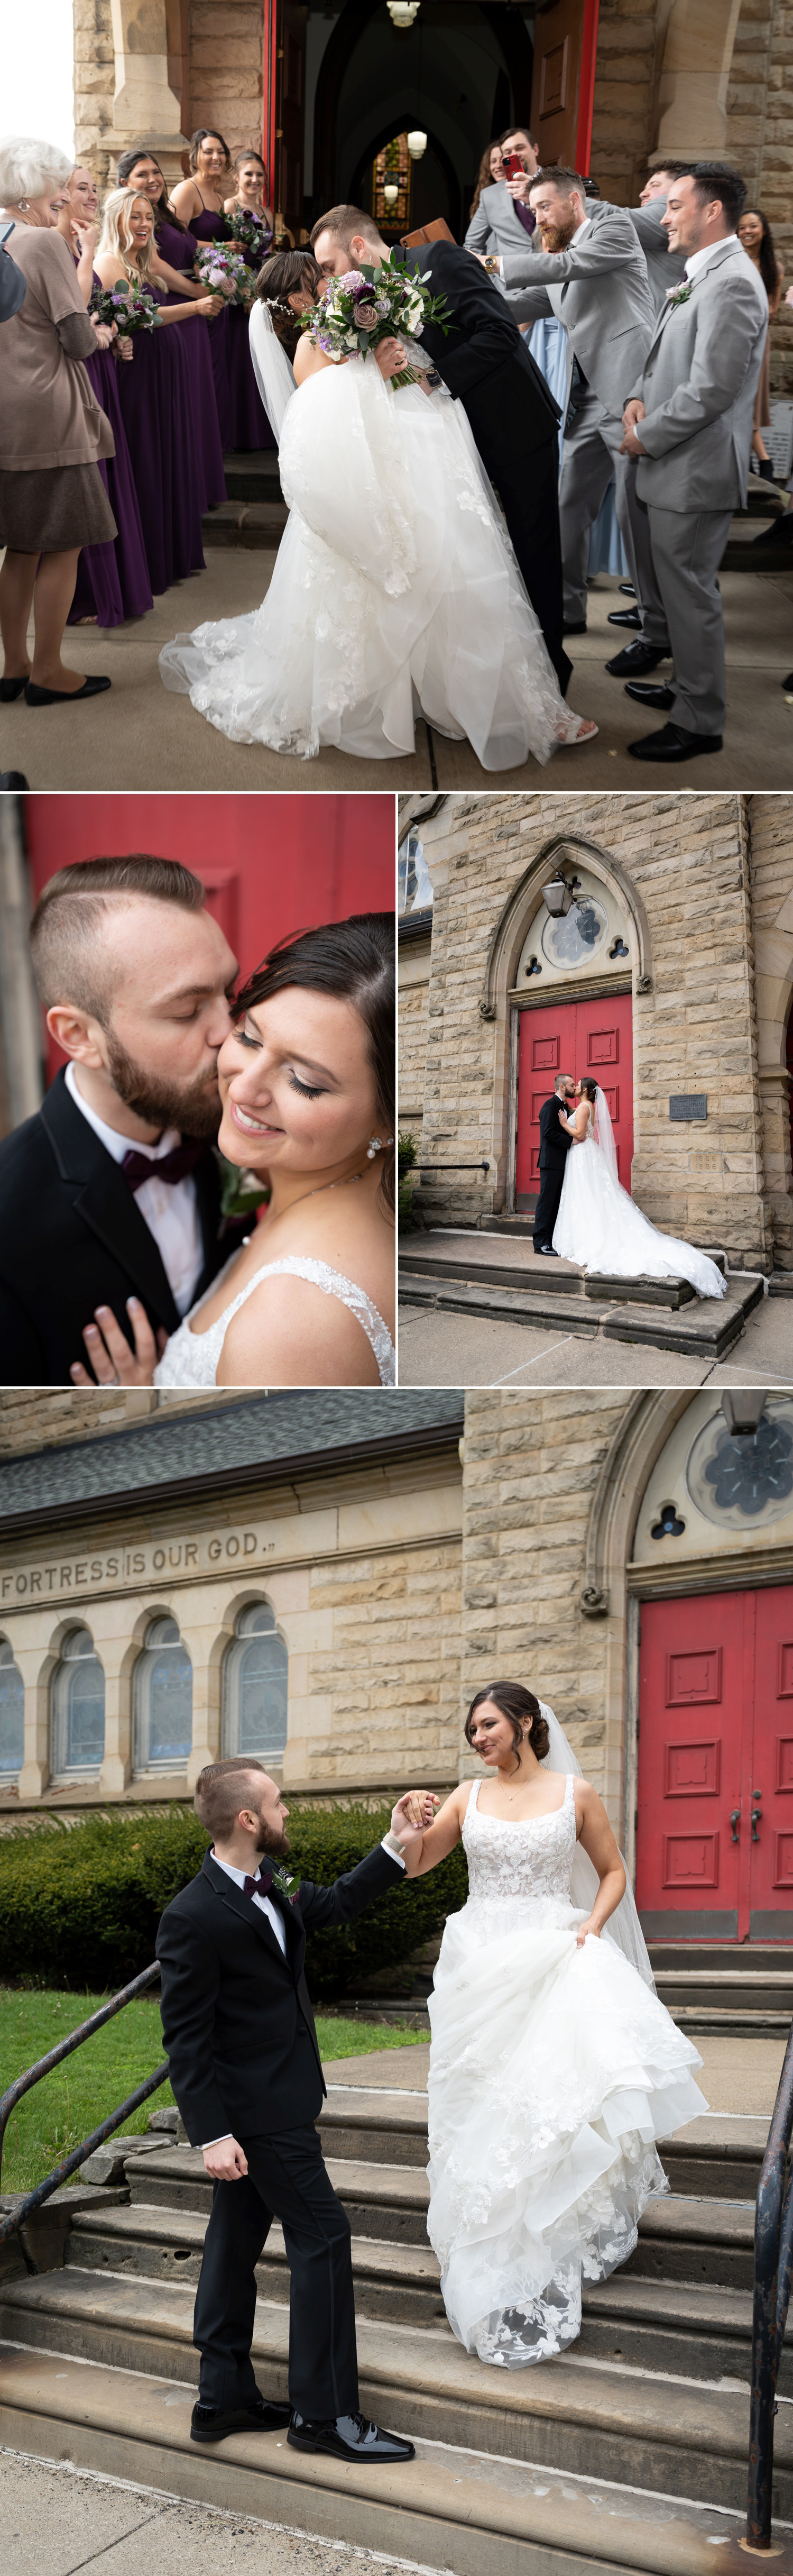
390, 193
558, 895
403, 12
417, 144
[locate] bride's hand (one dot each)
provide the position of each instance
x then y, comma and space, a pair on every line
583, 1929
413, 1814
390, 358
112, 1361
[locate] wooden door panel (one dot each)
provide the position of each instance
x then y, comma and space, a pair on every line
565, 45
573, 1037
691, 1724
771, 1845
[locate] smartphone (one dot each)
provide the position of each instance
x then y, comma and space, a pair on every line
513, 166
5, 229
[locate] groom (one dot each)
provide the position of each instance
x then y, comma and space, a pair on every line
486, 365
112, 1191
554, 1148
246, 2071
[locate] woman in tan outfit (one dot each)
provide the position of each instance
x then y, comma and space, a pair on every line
52, 498
754, 232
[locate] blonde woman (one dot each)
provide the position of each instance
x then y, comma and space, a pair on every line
155, 394
200, 202
112, 579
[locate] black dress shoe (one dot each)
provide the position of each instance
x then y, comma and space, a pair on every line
348, 2437
636, 658
578, 629
672, 743
36, 697
547, 1251
10, 689
625, 617
627, 590
648, 696
780, 532
212, 2423
788, 685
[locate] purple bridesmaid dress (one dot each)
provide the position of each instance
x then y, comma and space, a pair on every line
154, 387
243, 420
178, 250
113, 580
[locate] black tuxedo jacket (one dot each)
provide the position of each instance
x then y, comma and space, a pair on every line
483, 338
239, 2031
72, 1238
554, 1143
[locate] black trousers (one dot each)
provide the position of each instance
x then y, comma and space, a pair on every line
286, 2179
547, 1208
520, 450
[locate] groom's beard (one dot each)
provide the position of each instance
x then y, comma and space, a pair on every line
194, 1108
275, 1845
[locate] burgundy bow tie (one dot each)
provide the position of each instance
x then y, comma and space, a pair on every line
175, 1166
259, 1886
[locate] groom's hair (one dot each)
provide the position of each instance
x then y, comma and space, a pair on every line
342, 222
563, 1082
220, 1791
72, 962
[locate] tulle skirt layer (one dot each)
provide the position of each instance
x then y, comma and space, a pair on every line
601, 1228
395, 592
553, 2071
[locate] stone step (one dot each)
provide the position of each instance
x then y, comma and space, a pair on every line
449, 2509
559, 1280
737, 1957
599, 2420
390, 2281
682, 2239
253, 477
678, 2327
257, 525
706, 1330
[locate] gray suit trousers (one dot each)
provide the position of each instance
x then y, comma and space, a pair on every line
687, 549
591, 455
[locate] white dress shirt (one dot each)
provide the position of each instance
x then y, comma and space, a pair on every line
698, 258
276, 1922
168, 1208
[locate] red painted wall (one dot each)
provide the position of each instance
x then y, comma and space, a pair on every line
270, 864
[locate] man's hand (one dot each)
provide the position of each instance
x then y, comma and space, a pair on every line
413, 1814
225, 2162
631, 445
390, 358
520, 187
633, 411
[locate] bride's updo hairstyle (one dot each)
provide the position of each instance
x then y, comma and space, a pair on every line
522, 1710
287, 272
354, 960
589, 1089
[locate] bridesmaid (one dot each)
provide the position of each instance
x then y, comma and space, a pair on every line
176, 250
112, 580
250, 184
155, 393
199, 201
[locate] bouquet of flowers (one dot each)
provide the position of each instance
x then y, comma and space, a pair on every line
368, 305
251, 232
219, 266
132, 307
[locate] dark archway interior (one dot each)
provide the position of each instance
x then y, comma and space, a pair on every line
460, 72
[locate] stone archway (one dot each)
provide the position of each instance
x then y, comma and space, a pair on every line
695, 72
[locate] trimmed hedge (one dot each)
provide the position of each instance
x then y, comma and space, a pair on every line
79, 1906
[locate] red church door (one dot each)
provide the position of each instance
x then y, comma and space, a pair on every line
573, 1037
714, 1849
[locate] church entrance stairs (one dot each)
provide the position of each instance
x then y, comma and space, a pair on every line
469, 1275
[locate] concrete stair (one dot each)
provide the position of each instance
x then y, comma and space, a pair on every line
254, 513
463, 1274
649, 2408
742, 1988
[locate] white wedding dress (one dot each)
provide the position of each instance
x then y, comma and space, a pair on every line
553, 2071
395, 593
191, 1359
602, 1229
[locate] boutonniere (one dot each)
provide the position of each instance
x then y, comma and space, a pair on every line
679, 294
241, 1193
285, 1885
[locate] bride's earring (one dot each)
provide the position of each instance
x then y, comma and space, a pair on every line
375, 1147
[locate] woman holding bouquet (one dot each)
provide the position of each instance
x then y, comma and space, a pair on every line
199, 202
112, 579
395, 588
155, 390
175, 250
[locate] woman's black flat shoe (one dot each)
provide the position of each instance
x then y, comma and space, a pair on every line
11, 689
35, 697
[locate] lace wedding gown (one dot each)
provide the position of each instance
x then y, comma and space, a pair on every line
395, 592
191, 1359
601, 1228
553, 2071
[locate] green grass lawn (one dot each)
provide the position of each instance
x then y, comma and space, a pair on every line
62, 2110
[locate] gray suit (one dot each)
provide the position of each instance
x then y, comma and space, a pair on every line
496, 227
698, 386
664, 266
598, 288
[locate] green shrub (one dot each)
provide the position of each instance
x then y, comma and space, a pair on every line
80, 1906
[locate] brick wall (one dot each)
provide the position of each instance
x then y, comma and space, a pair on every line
760, 134
622, 125
94, 84
226, 57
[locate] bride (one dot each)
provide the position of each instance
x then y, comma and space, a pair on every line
307, 1092
600, 1227
553, 2066
395, 591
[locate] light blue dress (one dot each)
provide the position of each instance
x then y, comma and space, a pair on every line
547, 342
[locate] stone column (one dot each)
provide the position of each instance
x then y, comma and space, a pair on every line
693, 87
145, 108
36, 1669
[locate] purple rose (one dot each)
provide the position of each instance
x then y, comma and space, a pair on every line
353, 277
366, 316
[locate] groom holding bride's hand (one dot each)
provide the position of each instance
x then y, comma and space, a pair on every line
245, 2068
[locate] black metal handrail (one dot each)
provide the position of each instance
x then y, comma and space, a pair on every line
14, 2219
449, 1167
773, 2258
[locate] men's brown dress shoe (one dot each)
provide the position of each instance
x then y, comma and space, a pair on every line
636, 658
647, 696
672, 743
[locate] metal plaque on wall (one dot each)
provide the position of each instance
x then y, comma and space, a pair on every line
688, 1104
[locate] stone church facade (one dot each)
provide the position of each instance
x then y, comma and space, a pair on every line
676, 969
627, 1556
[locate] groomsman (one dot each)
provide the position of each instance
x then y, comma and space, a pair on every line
688, 423
592, 274
664, 266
